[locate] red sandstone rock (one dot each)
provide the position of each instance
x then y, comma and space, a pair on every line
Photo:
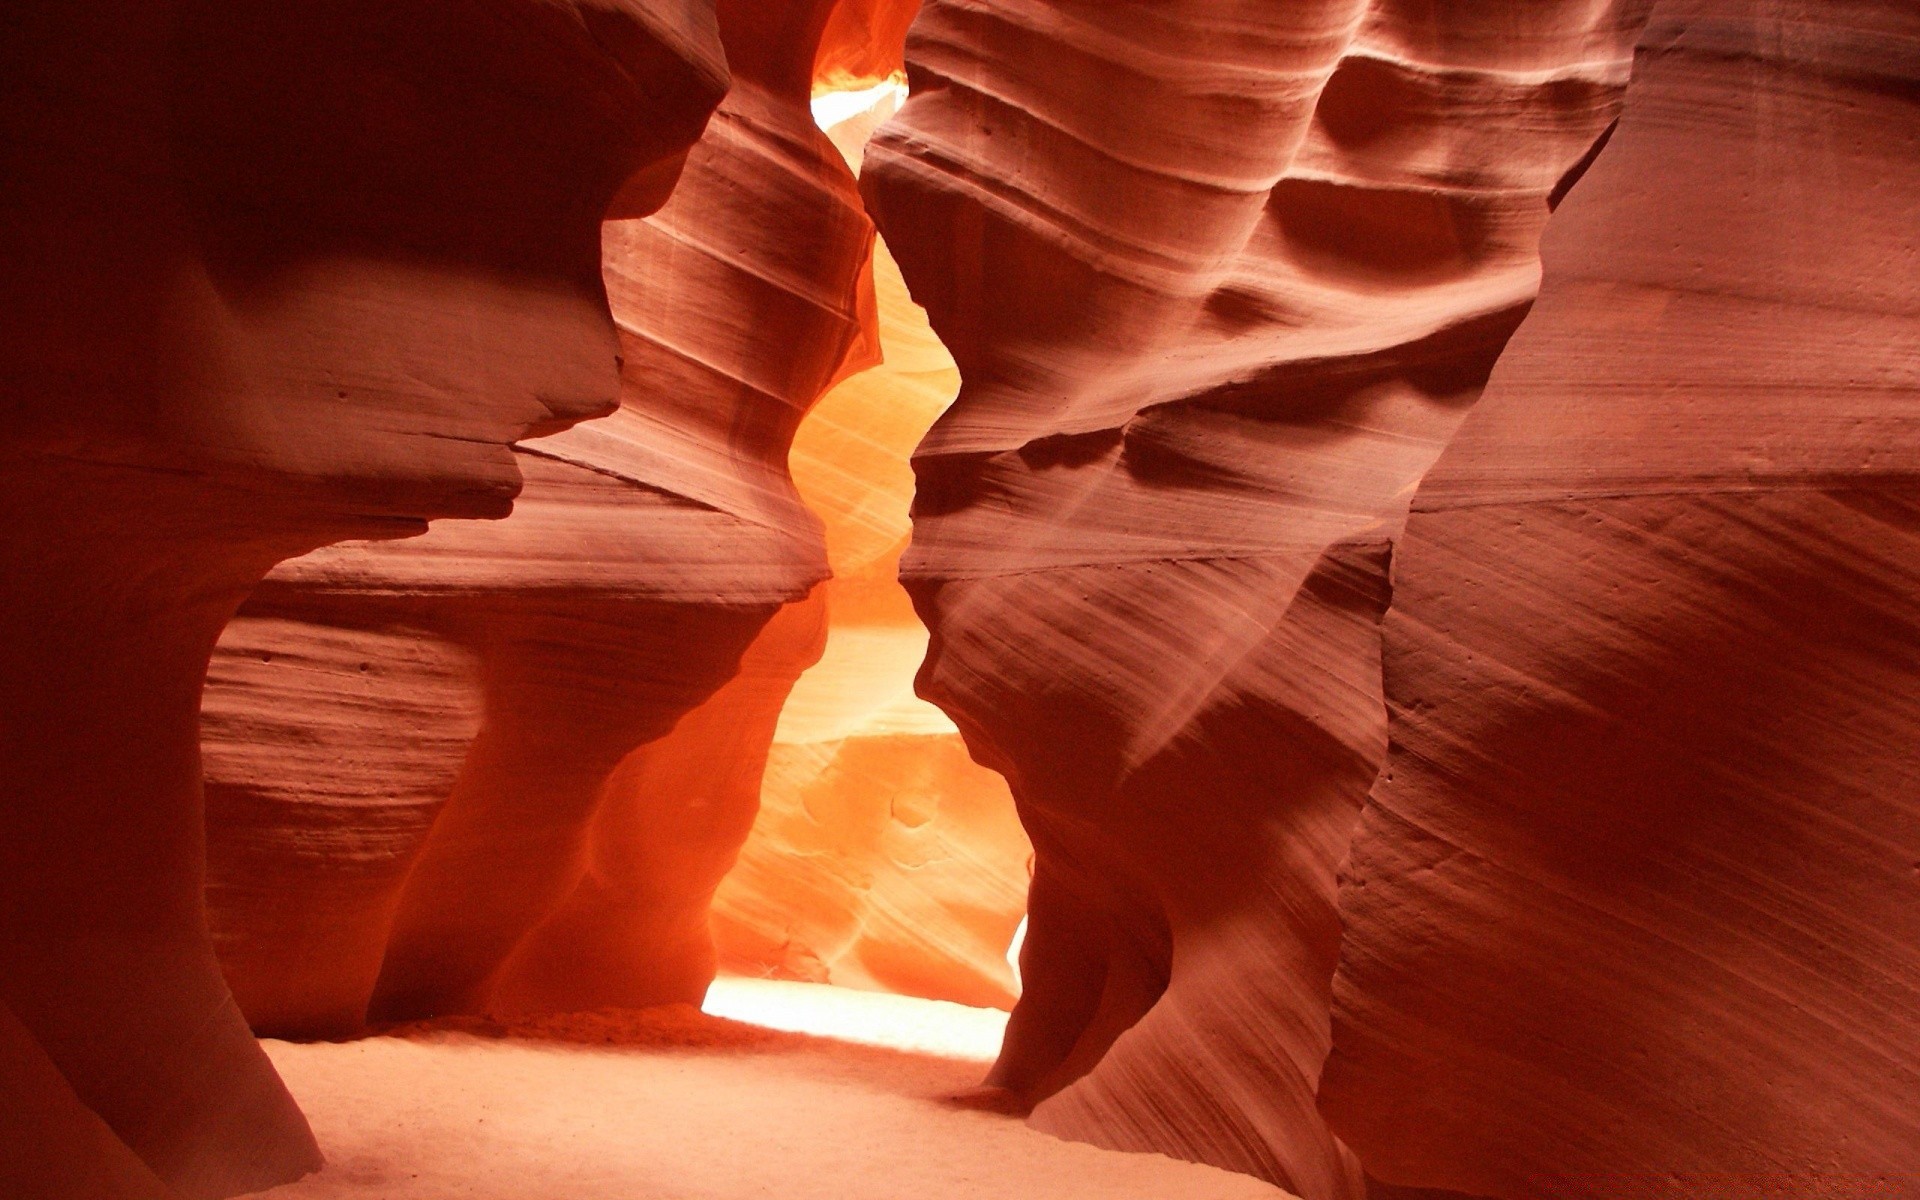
862, 44
1634, 910
884, 857
277, 275
1221, 281
886, 861
633, 931
329, 748
647, 552
56, 1147
881, 856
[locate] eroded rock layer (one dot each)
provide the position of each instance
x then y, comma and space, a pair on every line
633, 930
884, 857
862, 44
1221, 280
278, 275
1635, 908
646, 553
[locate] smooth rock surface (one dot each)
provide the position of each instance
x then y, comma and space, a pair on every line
883, 856
1635, 908
646, 554
1221, 280
277, 275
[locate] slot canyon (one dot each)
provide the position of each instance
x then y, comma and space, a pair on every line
960, 599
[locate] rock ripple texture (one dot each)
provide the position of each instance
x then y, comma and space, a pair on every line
884, 857
1635, 909
425, 872
1221, 280
278, 275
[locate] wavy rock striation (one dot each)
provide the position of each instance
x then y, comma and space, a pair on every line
1221, 280
862, 44
423, 875
884, 857
278, 275
879, 855
1635, 908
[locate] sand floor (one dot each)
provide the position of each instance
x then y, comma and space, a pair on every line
679, 1105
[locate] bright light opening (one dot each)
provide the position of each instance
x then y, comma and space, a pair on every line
883, 859
886, 97
868, 1018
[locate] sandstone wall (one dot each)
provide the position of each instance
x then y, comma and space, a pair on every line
1221, 280
278, 275
647, 552
884, 858
1634, 909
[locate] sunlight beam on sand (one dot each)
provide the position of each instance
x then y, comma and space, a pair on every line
869, 1018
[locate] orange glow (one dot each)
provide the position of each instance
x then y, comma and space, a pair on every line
884, 858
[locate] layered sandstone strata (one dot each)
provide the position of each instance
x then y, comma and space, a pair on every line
862, 44
880, 855
884, 857
871, 851
1635, 908
278, 275
1221, 280
455, 836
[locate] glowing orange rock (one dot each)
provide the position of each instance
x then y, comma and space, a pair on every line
891, 862
646, 553
884, 856
633, 931
863, 43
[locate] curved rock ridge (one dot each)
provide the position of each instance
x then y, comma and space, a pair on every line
1635, 906
881, 856
863, 44
277, 275
1221, 280
645, 555
884, 857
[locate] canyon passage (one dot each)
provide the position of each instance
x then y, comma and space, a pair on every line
966, 598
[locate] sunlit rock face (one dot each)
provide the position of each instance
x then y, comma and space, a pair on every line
884, 857
862, 43
1221, 281
402, 839
1635, 907
277, 275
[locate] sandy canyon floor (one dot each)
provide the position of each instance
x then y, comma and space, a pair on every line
784, 1102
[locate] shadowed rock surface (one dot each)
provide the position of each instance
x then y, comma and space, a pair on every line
1220, 279
647, 552
278, 275
1635, 909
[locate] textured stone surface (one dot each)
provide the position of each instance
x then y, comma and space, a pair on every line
633, 930
1221, 279
884, 857
277, 275
648, 550
862, 43
1636, 905
360, 732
